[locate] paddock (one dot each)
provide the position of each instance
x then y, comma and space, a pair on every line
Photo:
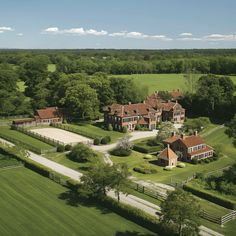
62, 136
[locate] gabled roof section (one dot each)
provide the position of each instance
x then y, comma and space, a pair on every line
48, 113
130, 109
168, 153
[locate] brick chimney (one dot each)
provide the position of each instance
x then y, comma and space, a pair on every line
173, 134
182, 136
195, 133
129, 103
144, 102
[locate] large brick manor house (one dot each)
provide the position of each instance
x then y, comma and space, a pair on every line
146, 114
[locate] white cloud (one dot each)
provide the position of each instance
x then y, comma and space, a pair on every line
220, 37
74, 31
190, 39
4, 28
186, 34
20, 34
52, 30
139, 35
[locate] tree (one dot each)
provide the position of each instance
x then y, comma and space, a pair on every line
81, 153
165, 131
81, 100
180, 212
191, 80
98, 181
123, 147
121, 179
125, 90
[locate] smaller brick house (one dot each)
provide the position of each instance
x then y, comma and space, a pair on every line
42, 116
131, 115
48, 115
189, 146
167, 157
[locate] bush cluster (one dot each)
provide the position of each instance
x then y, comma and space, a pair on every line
144, 169
121, 152
60, 148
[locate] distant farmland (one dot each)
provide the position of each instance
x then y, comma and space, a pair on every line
156, 82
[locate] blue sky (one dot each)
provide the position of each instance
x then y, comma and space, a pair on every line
146, 24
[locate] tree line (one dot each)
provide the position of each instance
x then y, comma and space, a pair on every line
215, 61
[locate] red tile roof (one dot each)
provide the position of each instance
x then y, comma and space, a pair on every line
168, 153
48, 113
188, 141
206, 149
176, 94
130, 109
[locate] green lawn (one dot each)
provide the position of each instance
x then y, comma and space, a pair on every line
33, 205
18, 136
96, 129
157, 82
51, 67
62, 158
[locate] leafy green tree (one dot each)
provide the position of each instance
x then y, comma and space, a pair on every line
165, 131
82, 153
191, 80
125, 90
181, 212
121, 179
81, 100
98, 181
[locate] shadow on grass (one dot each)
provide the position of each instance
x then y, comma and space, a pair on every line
154, 162
132, 233
72, 198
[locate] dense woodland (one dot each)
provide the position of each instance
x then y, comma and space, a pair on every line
82, 83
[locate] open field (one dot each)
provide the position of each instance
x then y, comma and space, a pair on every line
60, 135
23, 138
156, 82
33, 205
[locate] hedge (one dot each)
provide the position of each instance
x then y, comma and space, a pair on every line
220, 200
136, 215
146, 149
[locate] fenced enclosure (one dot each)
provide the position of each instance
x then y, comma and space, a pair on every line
76, 131
47, 140
221, 220
27, 145
148, 191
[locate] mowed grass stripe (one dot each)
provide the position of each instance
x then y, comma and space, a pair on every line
30, 205
18, 136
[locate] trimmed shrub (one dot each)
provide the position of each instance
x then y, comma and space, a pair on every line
60, 148
121, 152
194, 161
181, 165
143, 169
109, 128
212, 197
137, 127
168, 168
124, 129
106, 140
96, 141
68, 147
148, 156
